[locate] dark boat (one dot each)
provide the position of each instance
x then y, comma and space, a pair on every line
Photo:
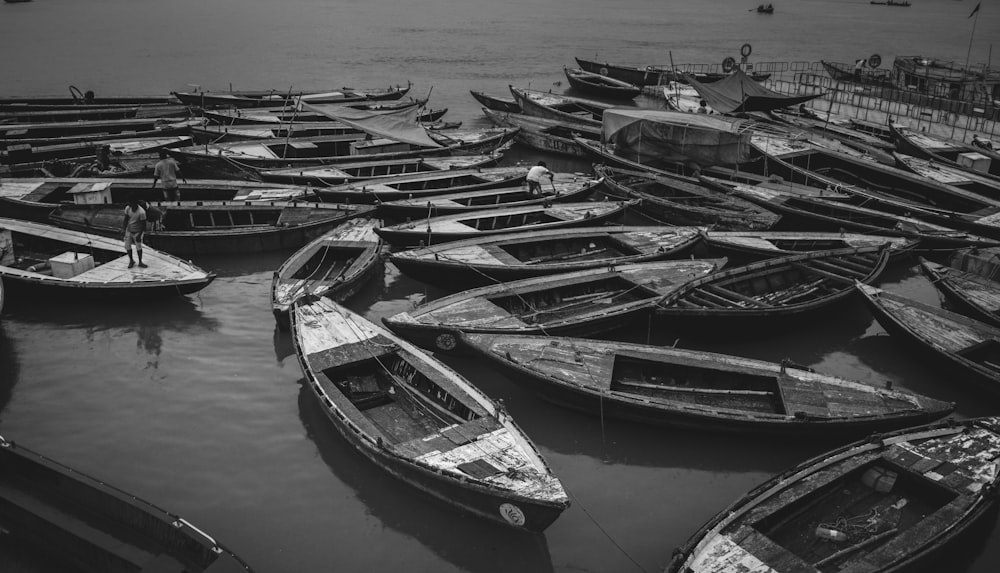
420, 421
218, 226
630, 74
779, 243
291, 114
971, 294
271, 98
841, 131
683, 202
80, 100
581, 303
928, 146
878, 186
31, 114
341, 173
38, 260
981, 184
691, 388
488, 260
883, 504
601, 86
329, 150
92, 526
486, 222
421, 185
819, 213
496, 103
21, 154
953, 339
335, 265
762, 9
34, 198
543, 134
564, 188
48, 134
563, 108
865, 75
772, 292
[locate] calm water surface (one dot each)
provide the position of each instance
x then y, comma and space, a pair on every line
198, 404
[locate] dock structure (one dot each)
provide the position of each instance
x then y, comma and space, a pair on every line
875, 103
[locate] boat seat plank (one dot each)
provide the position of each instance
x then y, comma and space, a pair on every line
117, 270
812, 268
834, 266
804, 396
769, 552
477, 311
727, 293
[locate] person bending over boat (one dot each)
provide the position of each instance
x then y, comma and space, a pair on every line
534, 178
133, 226
168, 170
981, 143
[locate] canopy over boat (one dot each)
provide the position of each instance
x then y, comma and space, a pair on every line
678, 136
399, 125
739, 92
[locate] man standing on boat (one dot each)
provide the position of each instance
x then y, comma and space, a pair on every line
133, 226
168, 170
534, 178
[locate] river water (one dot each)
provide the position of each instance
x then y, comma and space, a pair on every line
197, 404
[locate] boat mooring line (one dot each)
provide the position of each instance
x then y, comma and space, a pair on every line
576, 500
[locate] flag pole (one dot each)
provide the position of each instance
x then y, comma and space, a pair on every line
968, 52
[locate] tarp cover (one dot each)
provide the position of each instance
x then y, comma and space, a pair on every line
648, 136
738, 92
400, 125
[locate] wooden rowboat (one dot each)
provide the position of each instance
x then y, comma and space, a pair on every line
330, 150
421, 184
954, 339
683, 202
543, 134
563, 108
690, 388
92, 526
335, 265
580, 303
819, 213
488, 260
45, 261
208, 227
929, 146
971, 294
420, 421
263, 98
630, 74
343, 173
600, 85
497, 221
780, 243
35, 198
879, 505
496, 103
565, 188
771, 292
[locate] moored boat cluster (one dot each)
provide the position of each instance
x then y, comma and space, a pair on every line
736, 222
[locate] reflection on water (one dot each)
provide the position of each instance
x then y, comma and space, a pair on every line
8, 370
464, 540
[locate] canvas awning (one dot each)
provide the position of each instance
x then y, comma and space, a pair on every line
399, 125
738, 92
649, 135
